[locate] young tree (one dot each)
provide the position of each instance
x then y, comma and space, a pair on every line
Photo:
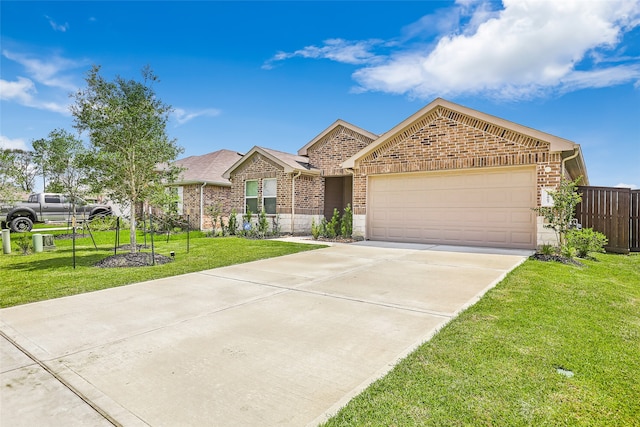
23, 170
126, 124
66, 162
559, 217
8, 188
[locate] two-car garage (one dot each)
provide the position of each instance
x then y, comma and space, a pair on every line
478, 207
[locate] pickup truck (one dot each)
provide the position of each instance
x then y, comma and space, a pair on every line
45, 207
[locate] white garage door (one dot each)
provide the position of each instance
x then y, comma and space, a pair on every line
484, 207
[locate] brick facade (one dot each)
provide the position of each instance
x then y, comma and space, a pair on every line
258, 167
443, 138
446, 140
326, 155
211, 195
336, 147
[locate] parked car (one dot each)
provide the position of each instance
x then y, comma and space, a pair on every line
47, 207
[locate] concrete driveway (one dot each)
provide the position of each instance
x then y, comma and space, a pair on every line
284, 341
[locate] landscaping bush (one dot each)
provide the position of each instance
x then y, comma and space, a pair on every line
263, 224
333, 227
347, 222
547, 249
232, 227
24, 243
586, 240
106, 223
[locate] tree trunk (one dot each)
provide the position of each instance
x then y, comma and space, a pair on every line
132, 229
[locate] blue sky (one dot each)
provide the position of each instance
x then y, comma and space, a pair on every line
276, 74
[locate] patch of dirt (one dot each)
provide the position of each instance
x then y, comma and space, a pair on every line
139, 259
556, 258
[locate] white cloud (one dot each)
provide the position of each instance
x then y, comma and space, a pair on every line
58, 27
22, 90
48, 71
631, 186
339, 50
525, 50
182, 116
12, 144
49, 79
518, 50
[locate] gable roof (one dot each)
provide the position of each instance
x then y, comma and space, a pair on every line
207, 168
337, 123
289, 162
576, 164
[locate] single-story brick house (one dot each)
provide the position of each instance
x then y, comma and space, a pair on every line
299, 187
201, 184
447, 175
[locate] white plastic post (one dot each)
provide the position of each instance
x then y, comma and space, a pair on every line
6, 241
37, 242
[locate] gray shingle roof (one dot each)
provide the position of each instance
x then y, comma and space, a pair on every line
207, 167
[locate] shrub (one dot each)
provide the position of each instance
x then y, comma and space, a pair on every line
24, 244
324, 225
347, 222
586, 241
568, 251
215, 212
315, 229
333, 227
263, 224
106, 223
232, 227
547, 249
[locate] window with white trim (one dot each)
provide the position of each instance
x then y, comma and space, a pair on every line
269, 193
251, 196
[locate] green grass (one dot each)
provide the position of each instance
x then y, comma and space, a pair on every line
497, 363
50, 274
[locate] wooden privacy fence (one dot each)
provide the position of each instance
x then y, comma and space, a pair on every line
615, 212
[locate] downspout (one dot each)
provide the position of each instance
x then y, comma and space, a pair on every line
564, 161
204, 184
293, 200
351, 172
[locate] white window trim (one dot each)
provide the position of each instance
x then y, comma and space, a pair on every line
270, 197
250, 197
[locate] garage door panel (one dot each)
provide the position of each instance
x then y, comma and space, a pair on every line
486, 207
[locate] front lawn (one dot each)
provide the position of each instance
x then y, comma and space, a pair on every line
50, 274
551, 345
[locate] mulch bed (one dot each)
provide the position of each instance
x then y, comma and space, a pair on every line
338, 239
139, 259
556, 258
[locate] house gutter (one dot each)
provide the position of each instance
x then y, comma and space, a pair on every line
576, 151
204, 184
293, 200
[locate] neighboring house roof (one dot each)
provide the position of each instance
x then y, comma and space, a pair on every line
575, 165
289, 162
337, 123
208, 168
